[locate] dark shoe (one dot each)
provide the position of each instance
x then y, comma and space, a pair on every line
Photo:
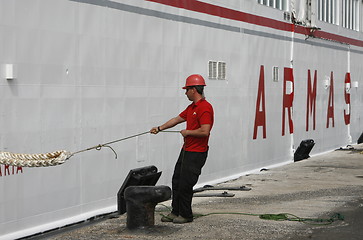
169, 218
181, 220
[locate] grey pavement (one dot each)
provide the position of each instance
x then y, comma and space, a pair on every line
313, 188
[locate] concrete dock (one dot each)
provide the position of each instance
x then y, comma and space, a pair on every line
313, 188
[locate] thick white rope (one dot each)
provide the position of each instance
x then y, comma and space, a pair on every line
34, 160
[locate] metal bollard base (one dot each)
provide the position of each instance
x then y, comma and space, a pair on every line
141, 202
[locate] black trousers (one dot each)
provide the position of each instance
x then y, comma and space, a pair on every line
186, 174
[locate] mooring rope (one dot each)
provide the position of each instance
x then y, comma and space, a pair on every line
34, 160
275, 217
99, 146
54, 158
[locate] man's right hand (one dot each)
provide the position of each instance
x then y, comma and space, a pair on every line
154, 130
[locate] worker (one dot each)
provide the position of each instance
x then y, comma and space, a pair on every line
199, 117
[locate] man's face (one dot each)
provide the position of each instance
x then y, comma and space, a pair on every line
190, 92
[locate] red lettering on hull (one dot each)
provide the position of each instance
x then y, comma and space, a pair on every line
330, 112
288, 99
6, 170
347, 98
311, 100
260, 115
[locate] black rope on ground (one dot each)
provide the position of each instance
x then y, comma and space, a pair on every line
290, 217
286, 217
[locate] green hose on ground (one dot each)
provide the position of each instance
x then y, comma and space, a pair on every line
278, 217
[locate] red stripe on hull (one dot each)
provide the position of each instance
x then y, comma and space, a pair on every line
231, 14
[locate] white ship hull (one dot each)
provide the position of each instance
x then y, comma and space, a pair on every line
83, 72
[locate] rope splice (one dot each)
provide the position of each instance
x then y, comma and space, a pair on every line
34, 160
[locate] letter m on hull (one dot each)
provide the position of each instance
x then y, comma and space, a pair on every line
311, 100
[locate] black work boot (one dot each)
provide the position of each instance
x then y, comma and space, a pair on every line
169, 218
181, 220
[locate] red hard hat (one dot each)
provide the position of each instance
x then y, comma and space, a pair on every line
194, 80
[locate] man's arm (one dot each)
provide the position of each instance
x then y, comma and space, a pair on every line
169, 124
203, 131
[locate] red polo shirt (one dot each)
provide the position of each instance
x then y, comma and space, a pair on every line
197, 114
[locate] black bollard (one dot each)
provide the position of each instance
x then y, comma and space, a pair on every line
141, 202
145, 176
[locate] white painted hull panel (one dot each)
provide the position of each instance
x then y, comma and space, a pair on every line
88, 74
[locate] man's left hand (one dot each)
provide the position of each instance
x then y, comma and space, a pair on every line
184, 132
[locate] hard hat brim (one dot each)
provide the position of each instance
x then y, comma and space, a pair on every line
185, 87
